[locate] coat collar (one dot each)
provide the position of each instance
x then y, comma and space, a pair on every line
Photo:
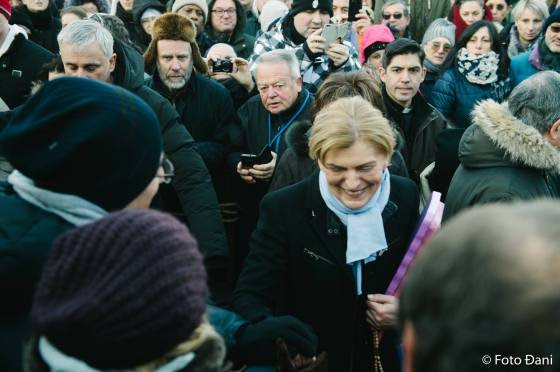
521, 143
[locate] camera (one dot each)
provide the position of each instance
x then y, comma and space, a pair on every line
223, 65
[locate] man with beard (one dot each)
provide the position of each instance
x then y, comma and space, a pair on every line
88, 50
204, 105
300, 30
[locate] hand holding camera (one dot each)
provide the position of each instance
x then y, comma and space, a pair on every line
316, 42
225, 67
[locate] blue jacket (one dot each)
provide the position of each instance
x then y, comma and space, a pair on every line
521, 68
454, 96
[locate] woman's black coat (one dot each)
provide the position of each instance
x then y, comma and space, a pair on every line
297, 266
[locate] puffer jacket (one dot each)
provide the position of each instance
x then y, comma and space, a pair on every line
502, 159
454, 96
525, 65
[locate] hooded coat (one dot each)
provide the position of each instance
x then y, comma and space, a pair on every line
139, 7
241, 42
502, 159
191, 187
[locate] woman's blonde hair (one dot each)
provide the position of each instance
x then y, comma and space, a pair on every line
346, 121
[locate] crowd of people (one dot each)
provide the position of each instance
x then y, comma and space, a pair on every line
232, 185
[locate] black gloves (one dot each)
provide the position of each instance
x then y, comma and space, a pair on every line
256, 343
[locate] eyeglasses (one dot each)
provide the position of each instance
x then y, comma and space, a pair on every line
395, 15
168, 171
437, 46
221, 12
499, 7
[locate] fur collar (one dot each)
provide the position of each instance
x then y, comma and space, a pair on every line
522, 143
297, 137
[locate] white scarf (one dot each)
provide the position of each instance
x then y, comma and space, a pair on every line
71, 208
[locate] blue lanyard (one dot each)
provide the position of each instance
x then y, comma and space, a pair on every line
285, 126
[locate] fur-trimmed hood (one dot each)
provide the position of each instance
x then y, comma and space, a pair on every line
497, 138
297, 137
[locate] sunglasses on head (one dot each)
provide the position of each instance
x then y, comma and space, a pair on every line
388, 16
499, 7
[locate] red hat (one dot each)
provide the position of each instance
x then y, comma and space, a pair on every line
6, 9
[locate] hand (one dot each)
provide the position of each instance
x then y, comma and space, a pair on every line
382, 311
210, 60
256, 343
264, 171
244, 174
362, 21
338, 53
316, 43
242, 74
299, 363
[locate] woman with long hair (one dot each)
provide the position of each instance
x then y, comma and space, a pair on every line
476, 69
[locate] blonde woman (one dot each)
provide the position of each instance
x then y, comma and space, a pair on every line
326, 248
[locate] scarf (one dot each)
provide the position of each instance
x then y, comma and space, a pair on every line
478, 69
432, 67
550, 60
366, 235
71, 208
514, 47
60, 362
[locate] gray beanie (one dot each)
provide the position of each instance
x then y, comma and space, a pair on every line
440, 27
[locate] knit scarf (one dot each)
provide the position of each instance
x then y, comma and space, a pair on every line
550, 60
478, 69
366, 235
71, 208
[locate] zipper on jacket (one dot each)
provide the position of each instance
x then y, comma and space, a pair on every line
316, 257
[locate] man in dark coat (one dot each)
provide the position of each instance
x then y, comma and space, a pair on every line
226, 24
70, 171
20, 60
512, 150
204, 105
417, 121
192, 186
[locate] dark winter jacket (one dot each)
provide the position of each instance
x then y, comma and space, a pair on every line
295, 164
206, 109
254, 123
19, 66
427, 86
502, 159
137, 10
297, 266
45, 28
454, 96
192, 186
252, 26
419, 128
241, 42
26, 235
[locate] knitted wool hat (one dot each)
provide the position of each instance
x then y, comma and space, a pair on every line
178, 4
121, 291
86, 138
299, 6
6, 8
374, 38
172, 26
440, 27
553, 18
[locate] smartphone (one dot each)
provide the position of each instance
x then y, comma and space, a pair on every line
248, 160
353, 9
332, 32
